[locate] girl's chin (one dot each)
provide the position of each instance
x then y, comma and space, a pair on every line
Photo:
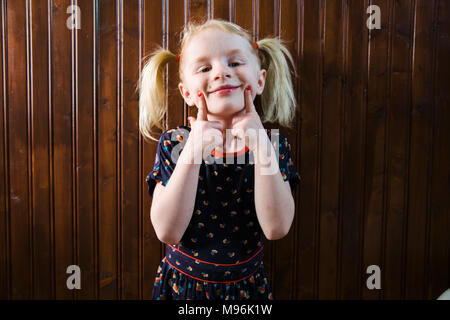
225, 107
224, 111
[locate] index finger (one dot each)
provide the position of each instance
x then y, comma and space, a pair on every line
249, 106
202, 110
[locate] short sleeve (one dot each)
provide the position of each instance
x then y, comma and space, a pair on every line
167, 153
287, 167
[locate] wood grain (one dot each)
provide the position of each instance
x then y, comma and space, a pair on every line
370, 141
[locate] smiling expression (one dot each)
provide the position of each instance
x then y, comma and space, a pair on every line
221, 65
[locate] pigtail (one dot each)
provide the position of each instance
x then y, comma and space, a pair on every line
278, 98
152, 98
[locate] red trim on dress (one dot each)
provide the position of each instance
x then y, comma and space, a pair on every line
217, 264
203, 280
219, 154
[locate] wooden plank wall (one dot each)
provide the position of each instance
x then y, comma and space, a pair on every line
371, 142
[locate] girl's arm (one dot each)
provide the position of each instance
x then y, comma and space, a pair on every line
172, 210
274, 202
172, 205
273, 197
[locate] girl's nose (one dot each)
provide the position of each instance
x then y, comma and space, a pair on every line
222, 71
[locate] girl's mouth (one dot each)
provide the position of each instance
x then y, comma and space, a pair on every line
225, 90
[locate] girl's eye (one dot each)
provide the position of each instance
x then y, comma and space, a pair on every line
232, 64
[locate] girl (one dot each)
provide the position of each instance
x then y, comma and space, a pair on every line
215, 215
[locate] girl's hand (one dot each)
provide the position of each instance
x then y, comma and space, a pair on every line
205, 135
248, 123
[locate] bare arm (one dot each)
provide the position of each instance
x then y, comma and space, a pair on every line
172, 205
274, 202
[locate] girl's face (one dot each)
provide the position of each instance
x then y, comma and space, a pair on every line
220, 65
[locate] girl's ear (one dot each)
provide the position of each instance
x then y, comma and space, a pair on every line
261, 81
188, 98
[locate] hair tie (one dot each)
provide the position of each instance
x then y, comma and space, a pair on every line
255, 45
177, 57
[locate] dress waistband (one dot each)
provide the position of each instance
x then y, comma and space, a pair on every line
213, 272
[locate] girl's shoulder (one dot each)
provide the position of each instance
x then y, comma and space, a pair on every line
177, 134
276, 136
176, 130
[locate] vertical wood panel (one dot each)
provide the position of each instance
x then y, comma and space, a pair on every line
263, 26
197, 9
432, 290
177, 16
41, 157
62, 146
131, 181
397, 137
375, 173
355, 84
421, 123
107, 149
153, 32
439, 260
50, 144
221, 9
286, 24
4, 170
310, 132
21, 282
86, 162
30, 142
298, 56
74, 136
244, 14
330, 151
119, 144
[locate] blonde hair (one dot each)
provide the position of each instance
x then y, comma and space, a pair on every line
277, 100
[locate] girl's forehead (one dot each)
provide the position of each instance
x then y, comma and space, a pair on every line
214, 40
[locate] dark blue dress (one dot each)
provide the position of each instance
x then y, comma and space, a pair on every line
220, 254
